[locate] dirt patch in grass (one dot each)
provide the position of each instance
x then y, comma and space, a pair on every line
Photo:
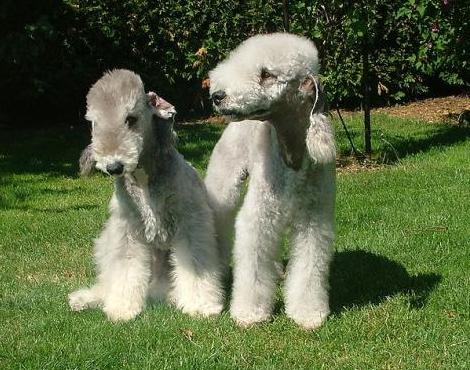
454, 110
348, 164
448, 109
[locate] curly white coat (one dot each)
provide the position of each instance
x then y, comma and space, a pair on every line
159, 241
288, 155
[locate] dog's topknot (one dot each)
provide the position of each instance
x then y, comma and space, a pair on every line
264, 70
291, 56
298, 51
117, 88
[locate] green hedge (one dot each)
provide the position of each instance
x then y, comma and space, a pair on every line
51, 51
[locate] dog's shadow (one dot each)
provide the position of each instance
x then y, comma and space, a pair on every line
359, 278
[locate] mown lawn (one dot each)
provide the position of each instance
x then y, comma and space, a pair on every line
400, 282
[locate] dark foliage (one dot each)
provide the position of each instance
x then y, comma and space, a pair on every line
52, 51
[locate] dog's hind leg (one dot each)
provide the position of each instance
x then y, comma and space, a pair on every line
160, 284
197, 287
86, 298
226, 172
306, 285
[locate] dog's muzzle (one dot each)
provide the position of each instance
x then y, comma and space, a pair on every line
218, 96
115, 168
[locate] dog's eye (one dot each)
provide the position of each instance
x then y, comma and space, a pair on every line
266, 75
131, 121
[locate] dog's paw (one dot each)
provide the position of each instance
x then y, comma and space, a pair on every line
117, 313
119, 307
150, 232
155, 231
150, 229
82, 299
208, 306
163, 235
206, 310
198, 307
247, 317
309, 320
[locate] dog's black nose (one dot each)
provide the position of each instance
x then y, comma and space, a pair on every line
115, 168
218, 96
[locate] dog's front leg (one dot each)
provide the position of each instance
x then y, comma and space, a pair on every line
137, 187
125, 275
257, 236
196, 273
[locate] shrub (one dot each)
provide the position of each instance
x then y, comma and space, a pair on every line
52, 51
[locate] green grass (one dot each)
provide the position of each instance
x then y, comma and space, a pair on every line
400, 279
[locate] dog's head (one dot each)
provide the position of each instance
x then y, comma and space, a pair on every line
122, 115
264, 73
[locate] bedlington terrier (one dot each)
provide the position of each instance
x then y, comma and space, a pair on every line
286, 148
159, 241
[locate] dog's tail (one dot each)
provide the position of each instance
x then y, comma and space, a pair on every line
87, 162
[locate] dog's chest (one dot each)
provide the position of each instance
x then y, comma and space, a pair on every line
288, 185
157, 188
150, 202
141, 178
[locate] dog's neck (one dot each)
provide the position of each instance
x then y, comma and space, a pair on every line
155, 152
148, 157
291, 127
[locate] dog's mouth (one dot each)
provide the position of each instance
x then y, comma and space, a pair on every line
114, 171
113, 175
235, 115
117, 176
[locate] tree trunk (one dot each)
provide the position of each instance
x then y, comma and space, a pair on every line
285, 9
366, 100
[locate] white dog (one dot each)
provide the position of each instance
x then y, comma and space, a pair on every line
159, 240
288, 153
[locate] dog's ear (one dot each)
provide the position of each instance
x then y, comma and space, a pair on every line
312, 87
87, 162
166, 136
160, 107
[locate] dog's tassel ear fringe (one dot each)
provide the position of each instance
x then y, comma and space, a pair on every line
87, 162
166, 136
320, 136
320, 139
317, 93
154, 225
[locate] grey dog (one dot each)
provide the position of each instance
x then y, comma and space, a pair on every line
159, 241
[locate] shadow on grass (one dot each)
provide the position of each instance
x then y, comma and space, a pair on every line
196, 141
56, 151
359, 278
394, 148
53, 152
54, 210
390, 146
